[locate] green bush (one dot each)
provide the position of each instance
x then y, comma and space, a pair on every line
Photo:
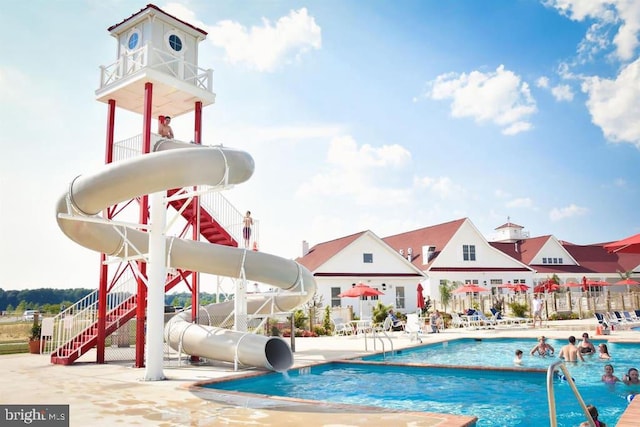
518, 310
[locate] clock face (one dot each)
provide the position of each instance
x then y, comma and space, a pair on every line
175, 43
133, 41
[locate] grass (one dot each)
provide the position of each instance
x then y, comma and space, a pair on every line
14, 337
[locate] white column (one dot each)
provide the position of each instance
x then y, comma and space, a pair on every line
157, 273
240, 305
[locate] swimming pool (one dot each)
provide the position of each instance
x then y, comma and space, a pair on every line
506, 397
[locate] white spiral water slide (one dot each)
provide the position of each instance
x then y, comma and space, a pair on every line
176, 165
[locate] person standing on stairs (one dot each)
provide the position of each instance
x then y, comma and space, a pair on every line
247, 223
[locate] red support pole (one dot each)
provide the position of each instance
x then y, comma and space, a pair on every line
104, 269
197, 137
195, 276
144, 219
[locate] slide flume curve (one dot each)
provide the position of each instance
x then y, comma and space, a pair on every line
175, 165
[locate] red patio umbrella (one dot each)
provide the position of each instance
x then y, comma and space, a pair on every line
597, 283
630, 245
573, 284
470, 288
506, 285
627, 282
358, 291
420, 297
546, 286
520, 287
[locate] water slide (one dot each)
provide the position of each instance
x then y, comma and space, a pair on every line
175, 165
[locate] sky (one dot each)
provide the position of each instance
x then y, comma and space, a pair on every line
375, 115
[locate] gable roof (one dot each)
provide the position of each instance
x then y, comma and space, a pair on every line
509, 225
523, 250
149, 9
436, 235
322, 252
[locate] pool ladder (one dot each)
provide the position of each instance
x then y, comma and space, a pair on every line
552, 397
376, 335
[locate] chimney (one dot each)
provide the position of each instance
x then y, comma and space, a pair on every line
305, 247
517, 241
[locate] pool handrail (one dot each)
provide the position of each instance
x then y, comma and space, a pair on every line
375, 334
553, 422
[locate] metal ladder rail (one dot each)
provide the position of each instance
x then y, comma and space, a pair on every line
553, 422
376, 335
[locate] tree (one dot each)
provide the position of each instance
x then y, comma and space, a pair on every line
446, 293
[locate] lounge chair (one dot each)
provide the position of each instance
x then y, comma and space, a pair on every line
341, 328
384, 327
413, 327
627, 315
510, 320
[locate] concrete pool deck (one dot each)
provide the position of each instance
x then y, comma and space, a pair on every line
114, 394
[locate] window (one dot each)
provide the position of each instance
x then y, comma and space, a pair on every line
555, 260
496, 281
367, 258
560, 261
469, 252
175, 43
544, 260
134, 38
400, 297
335, 299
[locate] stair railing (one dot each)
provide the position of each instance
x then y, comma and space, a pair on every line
78, 317
213, 202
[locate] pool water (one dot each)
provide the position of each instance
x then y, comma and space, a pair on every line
497, 397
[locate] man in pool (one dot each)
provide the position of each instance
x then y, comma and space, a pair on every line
542, 348
571, 352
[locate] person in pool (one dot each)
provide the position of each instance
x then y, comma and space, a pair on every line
631, 377
604, 351
571, 352
542, 348
586, 346
518, 357
608, 377
594, 416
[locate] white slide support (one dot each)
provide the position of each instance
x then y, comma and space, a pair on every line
175, 165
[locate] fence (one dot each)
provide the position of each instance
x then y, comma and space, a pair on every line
555, 304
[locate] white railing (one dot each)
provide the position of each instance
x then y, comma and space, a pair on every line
84, 313
211, 200
131, 62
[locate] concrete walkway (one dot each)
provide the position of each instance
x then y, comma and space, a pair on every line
113, 394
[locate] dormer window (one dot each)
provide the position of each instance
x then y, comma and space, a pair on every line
175, 43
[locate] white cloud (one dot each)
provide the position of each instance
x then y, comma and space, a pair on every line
443, 187
352, 171
522, 202
542, 82
608, 13
620, 182
268, 46
501, 194
570, 211
562, 93
614, 104
499, 97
